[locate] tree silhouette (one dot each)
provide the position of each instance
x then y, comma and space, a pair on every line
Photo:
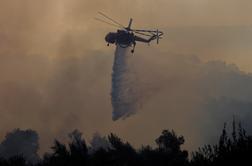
169, 149
60, 155
17, 161
78, 149
169, 142
233, 148
122, 153
20, 143
76, 154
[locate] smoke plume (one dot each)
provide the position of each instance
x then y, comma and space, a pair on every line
55, 70
124, 95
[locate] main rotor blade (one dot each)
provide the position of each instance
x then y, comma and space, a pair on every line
160, 33
143, 34
98, 19
104, 15
139, 30
152, 33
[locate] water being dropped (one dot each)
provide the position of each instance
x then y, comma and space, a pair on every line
124, 96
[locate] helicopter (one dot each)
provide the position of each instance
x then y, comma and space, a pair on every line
125, 36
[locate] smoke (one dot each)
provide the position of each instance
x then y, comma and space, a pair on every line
193, 96
124, 94
20, 142
55, 70
224, 109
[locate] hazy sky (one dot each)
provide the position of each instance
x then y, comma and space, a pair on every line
56, 69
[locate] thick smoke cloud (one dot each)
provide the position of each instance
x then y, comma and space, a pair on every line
225, 109
124, 97
59, 93
56, 71
177, 92
186, 89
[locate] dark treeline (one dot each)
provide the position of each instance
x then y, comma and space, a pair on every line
233, 148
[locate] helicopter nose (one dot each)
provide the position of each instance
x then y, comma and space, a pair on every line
110, 38
107, 38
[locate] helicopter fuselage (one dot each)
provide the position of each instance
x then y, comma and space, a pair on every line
121, 37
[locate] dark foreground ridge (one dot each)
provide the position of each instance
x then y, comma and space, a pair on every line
232, 149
